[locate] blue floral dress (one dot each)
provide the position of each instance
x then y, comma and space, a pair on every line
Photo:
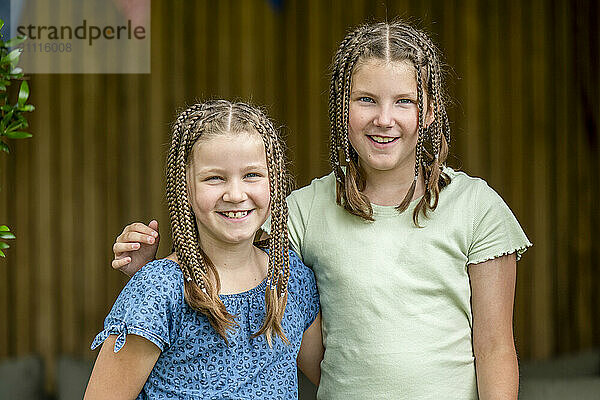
195, 362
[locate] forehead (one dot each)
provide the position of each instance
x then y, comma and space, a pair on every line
229, 150
378, 74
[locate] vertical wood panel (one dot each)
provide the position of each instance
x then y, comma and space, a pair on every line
248, 57
91, 224
113, 141
271, 55
562, 115
21, 301
516, 167
539, 107
158, 133
45, 329
291, 84
594, 83
584, 143
66, 227
313, 129
470, 138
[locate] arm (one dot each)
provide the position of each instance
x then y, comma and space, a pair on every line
493, 292
122, 375
311, 352
135, 247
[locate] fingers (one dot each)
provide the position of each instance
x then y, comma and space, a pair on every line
120, 248
154, 225
120, 263
136, 237
142, 228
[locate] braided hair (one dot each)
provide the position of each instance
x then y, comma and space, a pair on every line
390, 42
202, 284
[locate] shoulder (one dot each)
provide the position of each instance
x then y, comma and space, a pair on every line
461, 180
318, 186
159, 277
471, 188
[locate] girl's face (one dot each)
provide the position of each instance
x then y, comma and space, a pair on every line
383, 115
228, 184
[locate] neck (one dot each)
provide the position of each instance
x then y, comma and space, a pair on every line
240, 266
388, 188
229, 258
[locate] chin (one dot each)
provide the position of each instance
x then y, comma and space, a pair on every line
240, 238
382, 166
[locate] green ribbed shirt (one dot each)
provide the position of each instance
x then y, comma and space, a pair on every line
395, 298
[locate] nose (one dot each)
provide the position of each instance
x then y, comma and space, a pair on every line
384, 117
235, 192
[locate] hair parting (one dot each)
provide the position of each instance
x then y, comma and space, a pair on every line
202, 283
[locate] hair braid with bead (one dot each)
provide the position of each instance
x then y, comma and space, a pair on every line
390, 42
202, 284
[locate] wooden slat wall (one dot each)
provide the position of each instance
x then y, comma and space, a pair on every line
526, 119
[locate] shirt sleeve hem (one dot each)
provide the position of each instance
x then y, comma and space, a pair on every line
312, 318
518, 250
121, 330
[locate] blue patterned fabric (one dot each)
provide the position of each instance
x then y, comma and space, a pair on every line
195, 362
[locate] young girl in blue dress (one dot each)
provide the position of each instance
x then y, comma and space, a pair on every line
415, 262
220, 317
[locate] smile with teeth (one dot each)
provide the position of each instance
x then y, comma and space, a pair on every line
382, 139
235, 214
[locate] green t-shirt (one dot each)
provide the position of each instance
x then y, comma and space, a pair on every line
395, 298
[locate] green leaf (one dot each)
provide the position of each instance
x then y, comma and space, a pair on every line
4, 147
1, 23
4, 245
17, 135
15, 125
4, 228
23, 94
2, 87
27, 107
12, 57
6, 120
15, 41
17, 72
7, 235
2, 254
23, 121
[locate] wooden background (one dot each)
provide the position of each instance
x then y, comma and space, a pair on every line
524, 76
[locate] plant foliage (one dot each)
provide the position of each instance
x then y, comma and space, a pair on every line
13, 124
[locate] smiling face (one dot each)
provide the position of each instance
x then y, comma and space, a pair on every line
228, 187
383, 115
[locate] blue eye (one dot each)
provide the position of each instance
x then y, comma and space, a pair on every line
366, 99
405, 101
213, 178
253, 175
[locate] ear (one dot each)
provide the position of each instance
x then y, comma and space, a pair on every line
429, 115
